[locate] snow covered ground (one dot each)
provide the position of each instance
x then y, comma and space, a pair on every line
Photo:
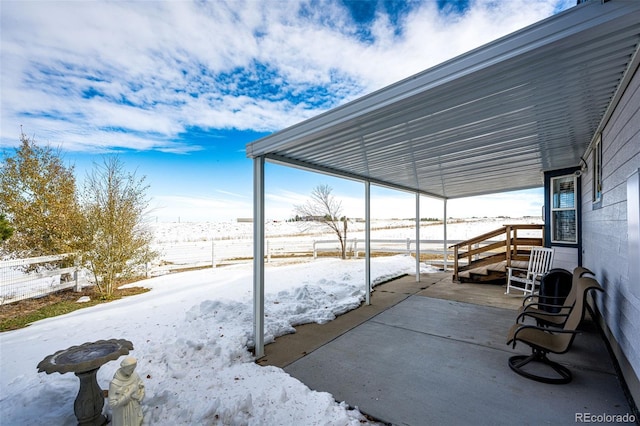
172, 232
184, 245
191, 335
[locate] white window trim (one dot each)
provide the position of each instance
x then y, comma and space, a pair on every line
574, 209
596, 174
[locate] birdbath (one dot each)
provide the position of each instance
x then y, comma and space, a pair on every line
84, 361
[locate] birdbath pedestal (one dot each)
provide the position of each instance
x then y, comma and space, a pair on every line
84, 361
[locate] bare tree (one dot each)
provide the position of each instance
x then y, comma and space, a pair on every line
116, 239
323, 207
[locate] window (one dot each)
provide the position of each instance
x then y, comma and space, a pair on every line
597, 171
564, 220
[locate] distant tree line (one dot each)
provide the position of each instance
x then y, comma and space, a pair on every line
42, 212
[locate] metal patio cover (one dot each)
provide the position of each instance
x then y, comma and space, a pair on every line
490, 120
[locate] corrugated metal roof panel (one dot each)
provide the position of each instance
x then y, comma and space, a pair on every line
488, 121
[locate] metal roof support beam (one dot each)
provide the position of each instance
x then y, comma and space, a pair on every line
417, 237
258, 255
367, 241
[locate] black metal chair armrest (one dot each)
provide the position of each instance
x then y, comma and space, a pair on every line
537, 305
536, 315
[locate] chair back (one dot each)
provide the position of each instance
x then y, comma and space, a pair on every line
540, 261
582, 287
555, 288
578, 272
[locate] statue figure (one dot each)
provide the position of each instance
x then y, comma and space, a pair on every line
125, 394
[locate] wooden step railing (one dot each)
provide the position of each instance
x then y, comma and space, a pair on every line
503, 244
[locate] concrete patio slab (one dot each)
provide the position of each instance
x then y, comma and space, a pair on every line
420, 363
434, 352
309, 337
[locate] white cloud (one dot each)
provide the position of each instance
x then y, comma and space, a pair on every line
103, 75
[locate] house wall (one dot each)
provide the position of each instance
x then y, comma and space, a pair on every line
565, 257
605, 244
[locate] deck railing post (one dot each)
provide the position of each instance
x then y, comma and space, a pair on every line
508, 243
455, 262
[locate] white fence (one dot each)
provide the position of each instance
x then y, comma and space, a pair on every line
38, 276
356, 247
35, 277
213, 253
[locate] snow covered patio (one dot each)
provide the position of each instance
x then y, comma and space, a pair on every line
434, 352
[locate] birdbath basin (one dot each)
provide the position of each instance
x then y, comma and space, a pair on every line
84, 361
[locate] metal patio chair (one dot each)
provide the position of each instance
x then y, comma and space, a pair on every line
553, 310
543, 340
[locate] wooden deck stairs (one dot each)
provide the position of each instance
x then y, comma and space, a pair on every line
485, 258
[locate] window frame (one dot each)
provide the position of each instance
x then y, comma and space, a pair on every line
553, 209
596, 174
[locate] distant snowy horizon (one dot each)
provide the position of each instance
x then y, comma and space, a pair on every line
150, 218
383, 228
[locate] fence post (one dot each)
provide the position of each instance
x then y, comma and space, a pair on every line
315, 253
213, 253
268, 252
355, 248
76, 286
408, 247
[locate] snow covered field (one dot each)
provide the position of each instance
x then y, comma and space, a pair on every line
172, 232
203, 244
191, 335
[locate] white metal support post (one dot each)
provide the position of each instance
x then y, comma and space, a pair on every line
367, 241
446, 251
417, 237
258, 255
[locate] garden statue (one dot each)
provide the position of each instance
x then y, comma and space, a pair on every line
125, 394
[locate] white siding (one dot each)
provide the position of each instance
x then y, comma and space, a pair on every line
605, 245
565, 257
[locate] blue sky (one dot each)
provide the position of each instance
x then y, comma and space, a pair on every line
178, 88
